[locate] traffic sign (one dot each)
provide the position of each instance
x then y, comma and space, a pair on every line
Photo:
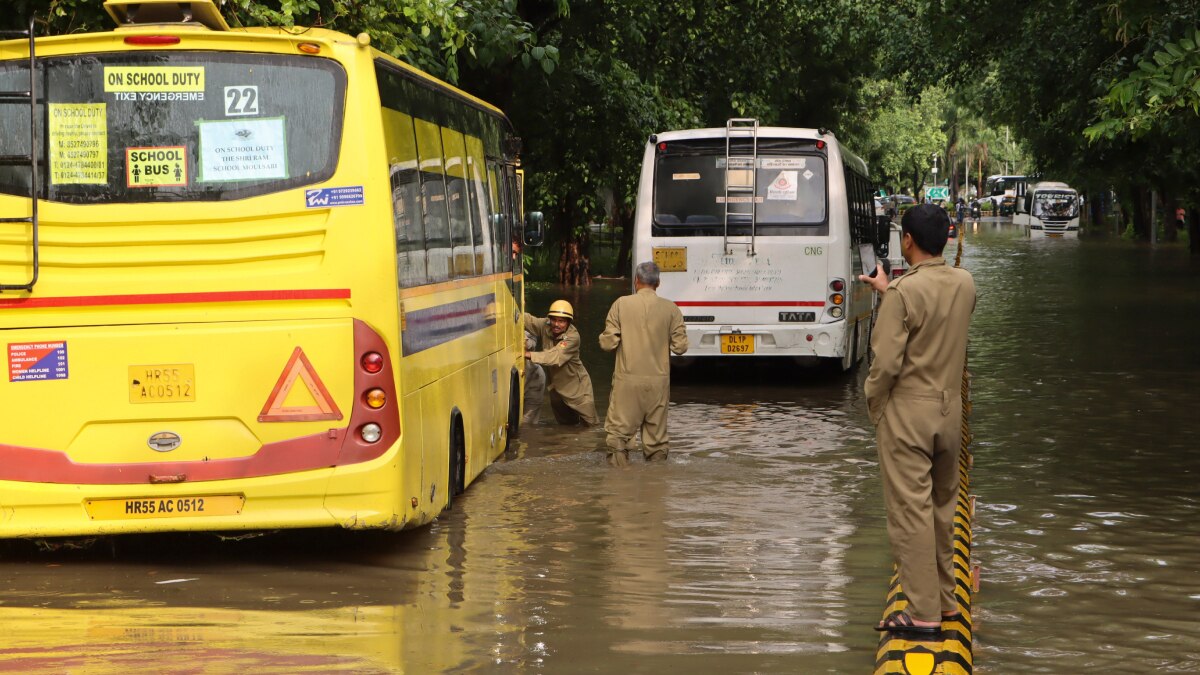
937, 192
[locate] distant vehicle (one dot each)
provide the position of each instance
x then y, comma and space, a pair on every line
903, 201
885, 211
1004, 191
757, 232
1050, 209
897, 266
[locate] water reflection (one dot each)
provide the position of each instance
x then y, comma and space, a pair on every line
758, 548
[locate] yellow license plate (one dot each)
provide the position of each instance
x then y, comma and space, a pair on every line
1054, 234
170, 383
164, 507
671, 259
737, 344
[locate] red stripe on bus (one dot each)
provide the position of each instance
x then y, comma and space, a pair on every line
176, 298
319, 451
749, 303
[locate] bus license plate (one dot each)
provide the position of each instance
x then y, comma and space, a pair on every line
737, 344
672, 259
1054, 234
171, 383
164, 507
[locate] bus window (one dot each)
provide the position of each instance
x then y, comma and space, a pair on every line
242, 125
499, 219
458, 205
433, 202
689, 192
480, 211
401, 145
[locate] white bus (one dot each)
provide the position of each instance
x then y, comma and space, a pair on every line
1049, 209
756, 230
1004, 192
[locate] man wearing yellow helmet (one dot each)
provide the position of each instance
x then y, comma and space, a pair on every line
570, 387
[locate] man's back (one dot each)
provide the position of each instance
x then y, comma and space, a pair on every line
647, 329
920, 336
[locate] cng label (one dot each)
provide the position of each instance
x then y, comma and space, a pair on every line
156, 167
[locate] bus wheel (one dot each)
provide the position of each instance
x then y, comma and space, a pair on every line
458, 459
514, 415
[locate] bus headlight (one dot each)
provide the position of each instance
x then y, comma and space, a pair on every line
371, 432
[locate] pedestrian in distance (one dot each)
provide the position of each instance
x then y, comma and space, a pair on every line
914, 398
570, 386
645, 330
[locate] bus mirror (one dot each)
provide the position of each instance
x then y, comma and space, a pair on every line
534, 228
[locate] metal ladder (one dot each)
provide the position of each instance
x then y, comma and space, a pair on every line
29, 160
740, 197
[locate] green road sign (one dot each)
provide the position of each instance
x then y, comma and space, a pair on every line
939, 192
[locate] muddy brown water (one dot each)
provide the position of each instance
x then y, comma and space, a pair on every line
758, 548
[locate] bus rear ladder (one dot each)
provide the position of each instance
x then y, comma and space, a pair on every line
29, 160
741, 174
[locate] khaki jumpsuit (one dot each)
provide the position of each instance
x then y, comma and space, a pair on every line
644, 329
570, 387
914, 395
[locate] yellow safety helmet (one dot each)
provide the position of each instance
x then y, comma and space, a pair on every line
562, 308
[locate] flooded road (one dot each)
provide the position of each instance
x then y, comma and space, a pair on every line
758, 548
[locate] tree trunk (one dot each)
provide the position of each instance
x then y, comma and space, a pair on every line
623, 218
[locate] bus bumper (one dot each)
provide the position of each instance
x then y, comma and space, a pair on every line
360, 496
824, 340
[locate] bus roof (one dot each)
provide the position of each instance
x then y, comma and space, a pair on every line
239, 39
770, 132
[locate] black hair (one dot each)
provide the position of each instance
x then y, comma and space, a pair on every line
929, 227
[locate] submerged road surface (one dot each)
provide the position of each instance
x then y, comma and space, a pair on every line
758, 548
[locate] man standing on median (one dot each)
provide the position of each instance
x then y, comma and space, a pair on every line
914, 396
645, 330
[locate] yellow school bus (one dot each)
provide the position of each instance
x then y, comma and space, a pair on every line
249, 278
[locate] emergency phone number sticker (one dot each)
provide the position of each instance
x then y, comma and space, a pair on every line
31, 361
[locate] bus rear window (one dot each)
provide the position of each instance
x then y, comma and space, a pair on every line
689, 195
174, 126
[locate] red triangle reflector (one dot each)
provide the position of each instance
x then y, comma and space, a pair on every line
299, 369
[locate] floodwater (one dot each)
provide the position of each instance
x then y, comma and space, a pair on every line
758, 548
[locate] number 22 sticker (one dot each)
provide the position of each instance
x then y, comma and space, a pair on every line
241, 101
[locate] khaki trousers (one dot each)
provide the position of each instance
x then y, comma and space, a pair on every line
584, 415
638, 403
919, 441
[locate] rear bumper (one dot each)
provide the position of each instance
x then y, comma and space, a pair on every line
820, 340
360, 496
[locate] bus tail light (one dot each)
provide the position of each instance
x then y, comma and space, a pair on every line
837, 298
837, 285
152, 40
836, 312
371, 433
372, 362
375, 398
375, 416
309, 47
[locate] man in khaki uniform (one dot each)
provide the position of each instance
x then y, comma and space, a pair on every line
570, 387
915, 400
644, 329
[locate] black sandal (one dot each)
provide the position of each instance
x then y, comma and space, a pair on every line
900, 622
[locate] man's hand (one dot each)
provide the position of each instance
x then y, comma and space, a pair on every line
878, 281
527, 355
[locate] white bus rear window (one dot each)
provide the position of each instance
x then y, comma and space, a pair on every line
689, 194
174, 126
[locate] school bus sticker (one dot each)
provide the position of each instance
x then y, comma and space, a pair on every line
78, 139
155, 83
156, 167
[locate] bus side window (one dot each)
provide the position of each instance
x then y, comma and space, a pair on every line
480, 212
433, 202
499, 221
458, 205
409, 227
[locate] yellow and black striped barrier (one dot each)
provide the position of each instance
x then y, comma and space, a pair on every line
949, 654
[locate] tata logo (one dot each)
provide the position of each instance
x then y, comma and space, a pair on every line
164, 441
316, 197
797, 317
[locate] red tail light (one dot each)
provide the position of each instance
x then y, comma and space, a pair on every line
372, 362
152, 40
